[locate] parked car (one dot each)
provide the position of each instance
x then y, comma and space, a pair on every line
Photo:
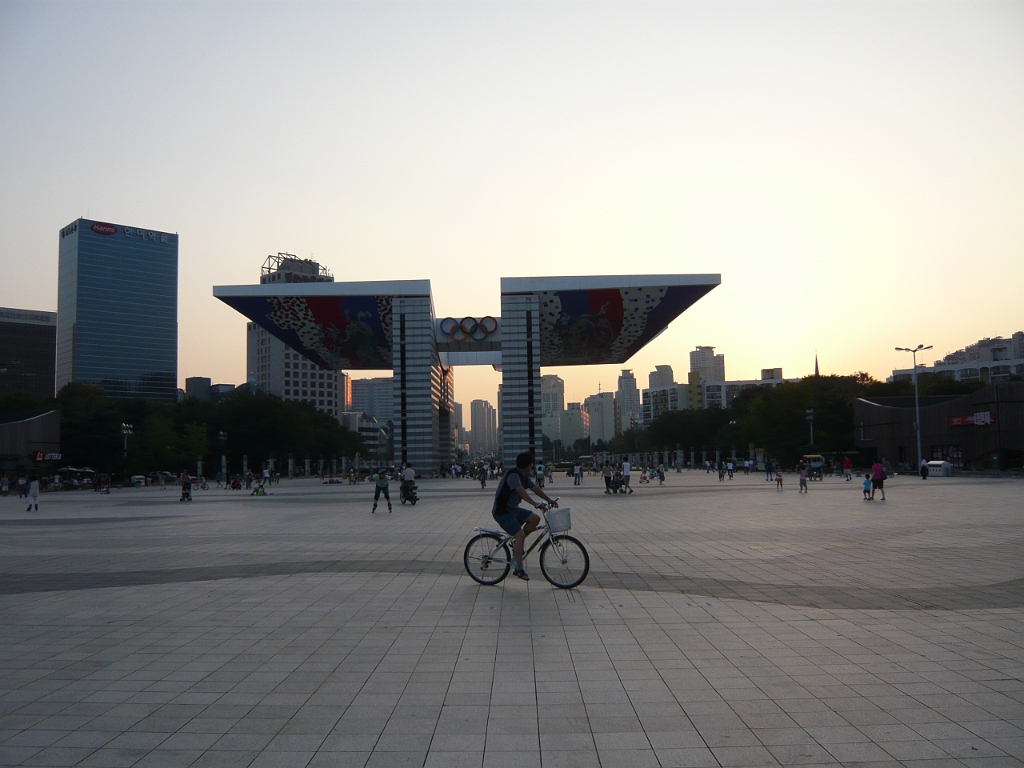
138, 481
169, 478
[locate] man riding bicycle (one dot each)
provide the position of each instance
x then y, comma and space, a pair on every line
512, 518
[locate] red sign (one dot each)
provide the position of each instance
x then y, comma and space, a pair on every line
41, 456
104, 229
979, 419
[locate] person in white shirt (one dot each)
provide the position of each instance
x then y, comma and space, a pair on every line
625, 475
33, 494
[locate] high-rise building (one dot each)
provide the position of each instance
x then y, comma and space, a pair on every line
661, 376
552, 398
277, 370
484, 437
986, 360
659, 400
28, 344
704, 361
601, 411
574, 424
627, 402
117, 310
198, 387
375, 397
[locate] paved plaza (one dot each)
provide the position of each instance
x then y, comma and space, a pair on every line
723, 623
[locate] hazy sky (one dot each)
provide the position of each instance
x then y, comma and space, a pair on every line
855, 171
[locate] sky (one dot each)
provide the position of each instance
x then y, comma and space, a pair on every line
853, 170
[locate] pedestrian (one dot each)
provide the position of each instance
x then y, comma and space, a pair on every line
877, 479
4, 485
778, 477
803, 480
607, 473
848, 468
380, 486
625, 475
577, 474
661, 474
924, 469
33, 494
769, 471
867, 486
730, 467
22, 486
721, 470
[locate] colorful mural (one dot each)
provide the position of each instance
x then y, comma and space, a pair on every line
598, 326
339, 332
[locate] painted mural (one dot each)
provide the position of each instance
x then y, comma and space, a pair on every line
593, 327
338, 332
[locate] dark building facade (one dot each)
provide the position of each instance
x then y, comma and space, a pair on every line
983, 430
28, 343
117, 310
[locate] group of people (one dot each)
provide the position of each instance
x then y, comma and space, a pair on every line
27, 487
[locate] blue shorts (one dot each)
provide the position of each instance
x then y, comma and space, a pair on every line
512, 522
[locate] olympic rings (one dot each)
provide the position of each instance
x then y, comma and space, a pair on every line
469, 328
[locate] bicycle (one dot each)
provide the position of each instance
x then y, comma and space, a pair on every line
564, 560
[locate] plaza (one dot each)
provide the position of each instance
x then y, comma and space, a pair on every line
722, 623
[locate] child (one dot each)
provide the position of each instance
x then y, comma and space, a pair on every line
803, 480
867, 487
381, 486
778, 477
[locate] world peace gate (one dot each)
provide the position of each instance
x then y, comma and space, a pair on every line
391, 325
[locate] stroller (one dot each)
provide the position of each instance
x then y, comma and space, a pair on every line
186, 492
236, 484
616, 482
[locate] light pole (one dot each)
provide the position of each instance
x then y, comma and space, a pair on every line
917, 398
810, 419
126, 431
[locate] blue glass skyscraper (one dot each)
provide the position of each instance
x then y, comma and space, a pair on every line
117, 310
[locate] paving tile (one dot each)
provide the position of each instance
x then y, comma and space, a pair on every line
718, 626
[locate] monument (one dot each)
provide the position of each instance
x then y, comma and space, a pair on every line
391, 325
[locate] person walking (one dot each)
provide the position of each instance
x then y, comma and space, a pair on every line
769, 470
607, 473
803, 480
877, 479
867, 486
625, 475
924, 469
33, 494
778, 477
22, 486
848, 468
577, 474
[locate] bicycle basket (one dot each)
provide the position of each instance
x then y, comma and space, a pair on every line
558, 520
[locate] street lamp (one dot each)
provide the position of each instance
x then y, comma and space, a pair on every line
810, 419
126, 431
917, 398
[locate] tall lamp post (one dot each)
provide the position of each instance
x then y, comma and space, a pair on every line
126, 432
917, 398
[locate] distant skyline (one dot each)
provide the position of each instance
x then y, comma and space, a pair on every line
854, 171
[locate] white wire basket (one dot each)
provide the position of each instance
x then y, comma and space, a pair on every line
558, 519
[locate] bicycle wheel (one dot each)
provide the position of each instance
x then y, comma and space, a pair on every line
564, 561
487, 560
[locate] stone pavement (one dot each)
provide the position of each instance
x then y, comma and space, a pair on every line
723, 623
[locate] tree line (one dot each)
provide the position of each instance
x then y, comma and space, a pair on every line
172, 436
772, 418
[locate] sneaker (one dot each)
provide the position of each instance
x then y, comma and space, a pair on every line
374, 509
389, 507
521, 573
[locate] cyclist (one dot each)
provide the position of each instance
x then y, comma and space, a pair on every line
512, 518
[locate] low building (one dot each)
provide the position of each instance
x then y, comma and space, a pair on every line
368, 428
986, 360
982, 429
28, 349
29, 442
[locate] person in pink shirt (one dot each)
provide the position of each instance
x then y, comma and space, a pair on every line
877, 479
